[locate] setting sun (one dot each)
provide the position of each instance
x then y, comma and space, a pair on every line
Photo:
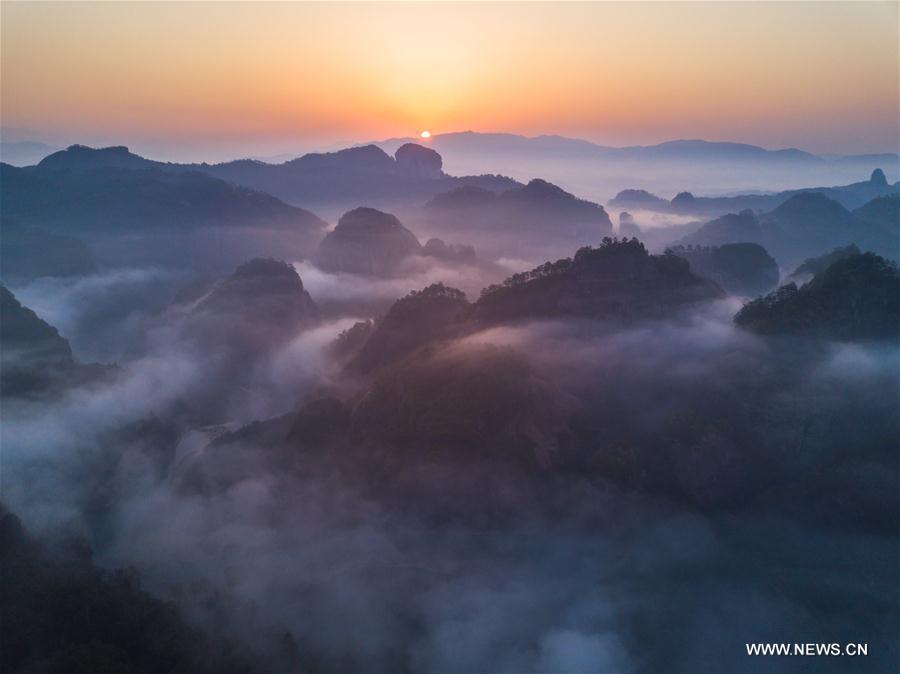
425, 134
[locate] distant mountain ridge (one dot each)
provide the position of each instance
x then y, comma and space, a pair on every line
805, 225
673, 149
850, 196
349, 177
102, 196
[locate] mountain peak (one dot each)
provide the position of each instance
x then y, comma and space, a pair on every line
856, 297
81, 157
543, 189
262, 267
810, 202
619, 279
261, 294
367, 241
878, 178
418, 160
359, 157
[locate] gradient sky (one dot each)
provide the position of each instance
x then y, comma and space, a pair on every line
216, 79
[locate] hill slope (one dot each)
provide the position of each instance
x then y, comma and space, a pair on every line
857, 297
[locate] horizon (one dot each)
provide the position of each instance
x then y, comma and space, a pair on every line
159, 153
333, 75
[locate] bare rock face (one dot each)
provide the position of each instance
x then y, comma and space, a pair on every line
419, 161
367, 241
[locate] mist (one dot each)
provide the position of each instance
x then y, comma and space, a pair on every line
293, 555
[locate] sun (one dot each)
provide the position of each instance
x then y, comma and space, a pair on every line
425, 135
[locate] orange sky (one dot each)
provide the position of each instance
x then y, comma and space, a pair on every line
217, 77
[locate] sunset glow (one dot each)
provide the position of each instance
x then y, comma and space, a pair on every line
614, 73
425, 135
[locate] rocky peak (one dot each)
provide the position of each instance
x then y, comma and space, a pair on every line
81, 157
419, 161
367, 241
878, 178
262, 291
544, 191
422, 316
683, 200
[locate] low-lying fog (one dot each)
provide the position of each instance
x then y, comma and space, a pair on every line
308, 566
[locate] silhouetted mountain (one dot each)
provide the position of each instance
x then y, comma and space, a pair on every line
618, 280
88, 193
740, 268
455, 253
112, 188
729, 228
367, 241
473, 143
23, 333
816, 265
599, 172
639, 200
34, 357
805, 225
263, 303
436, 312
882, 211
806, 220
540, 200
855, 194
358, 174
84, 158
466, 197
519, 218
850, 196
557, 147
370, 242
701, 149
418, 161
856, 297
31, 252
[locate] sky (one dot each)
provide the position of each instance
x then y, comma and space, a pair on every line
213, 80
